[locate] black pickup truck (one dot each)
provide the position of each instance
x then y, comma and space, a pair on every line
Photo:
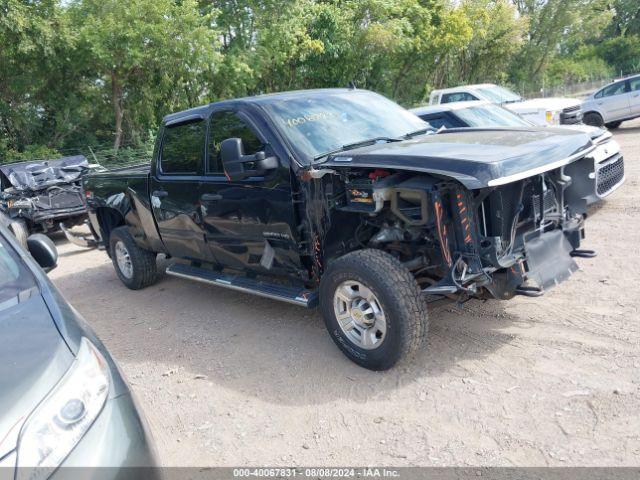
343, 199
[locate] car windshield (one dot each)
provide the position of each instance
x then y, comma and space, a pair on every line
318, 124
490, 115
499, 94
14, 275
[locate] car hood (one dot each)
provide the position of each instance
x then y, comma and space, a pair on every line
38, 175
476, 157
551, 103
33, 358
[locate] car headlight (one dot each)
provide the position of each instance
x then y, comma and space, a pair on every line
64, 416
552, 117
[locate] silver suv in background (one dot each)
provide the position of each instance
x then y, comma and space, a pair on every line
611, 105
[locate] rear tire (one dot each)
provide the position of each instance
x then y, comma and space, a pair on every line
594, 119
135, 266
373, 309
19, 229
612, 125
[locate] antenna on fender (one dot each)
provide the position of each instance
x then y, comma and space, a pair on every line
352, 85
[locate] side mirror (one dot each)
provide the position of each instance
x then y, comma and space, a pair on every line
239, 166
43, 251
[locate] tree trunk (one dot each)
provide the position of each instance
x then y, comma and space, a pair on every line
118, 109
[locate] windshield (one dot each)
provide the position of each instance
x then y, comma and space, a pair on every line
14, 275
499, 94
320, 123
490, 115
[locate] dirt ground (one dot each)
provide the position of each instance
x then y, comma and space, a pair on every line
228, 379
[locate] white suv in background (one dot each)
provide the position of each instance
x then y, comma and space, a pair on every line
613, 104
540, 111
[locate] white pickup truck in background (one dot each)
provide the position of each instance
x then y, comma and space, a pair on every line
540, 111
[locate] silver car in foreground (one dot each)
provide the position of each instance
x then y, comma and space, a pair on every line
63, 401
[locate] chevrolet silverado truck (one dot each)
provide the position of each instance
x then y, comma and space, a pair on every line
344, 200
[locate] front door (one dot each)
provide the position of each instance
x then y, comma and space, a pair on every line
613, 101
248, 225
174, 189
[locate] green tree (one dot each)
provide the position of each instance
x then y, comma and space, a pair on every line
144, 52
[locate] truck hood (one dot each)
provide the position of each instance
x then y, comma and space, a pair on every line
33, 358
475, 157
597, 134
535, 104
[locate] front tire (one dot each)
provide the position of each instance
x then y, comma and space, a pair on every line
373, 308
594, 119
135, 267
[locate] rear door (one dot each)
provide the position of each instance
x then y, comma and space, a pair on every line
248, 224
634, 92
613, 101
174, 188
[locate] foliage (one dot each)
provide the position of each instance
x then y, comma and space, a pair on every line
102, 73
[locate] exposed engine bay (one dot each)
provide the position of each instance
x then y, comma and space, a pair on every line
493, 242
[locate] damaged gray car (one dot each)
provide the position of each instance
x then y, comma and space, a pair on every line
43, 196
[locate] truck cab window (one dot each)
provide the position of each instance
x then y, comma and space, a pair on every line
183, 148
439, 120
225, 125
457, 97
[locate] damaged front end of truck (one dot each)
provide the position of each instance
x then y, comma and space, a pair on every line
465, 228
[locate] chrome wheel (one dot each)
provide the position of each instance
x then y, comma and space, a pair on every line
124, 260
359, 314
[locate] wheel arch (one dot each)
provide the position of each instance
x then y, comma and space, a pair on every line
109, 219
593, 112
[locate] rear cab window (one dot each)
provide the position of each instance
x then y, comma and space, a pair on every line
457, 97
182, 151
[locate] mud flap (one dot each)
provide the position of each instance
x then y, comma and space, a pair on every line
549, 261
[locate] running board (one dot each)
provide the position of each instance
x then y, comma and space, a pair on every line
296, 296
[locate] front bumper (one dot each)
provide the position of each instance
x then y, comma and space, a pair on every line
609, 172
571, 116
117, 446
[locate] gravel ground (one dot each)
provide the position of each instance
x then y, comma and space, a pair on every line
228, 379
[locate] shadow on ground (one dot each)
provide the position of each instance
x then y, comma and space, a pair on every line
260, 347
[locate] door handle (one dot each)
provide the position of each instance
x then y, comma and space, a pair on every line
160, 193
210, 197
